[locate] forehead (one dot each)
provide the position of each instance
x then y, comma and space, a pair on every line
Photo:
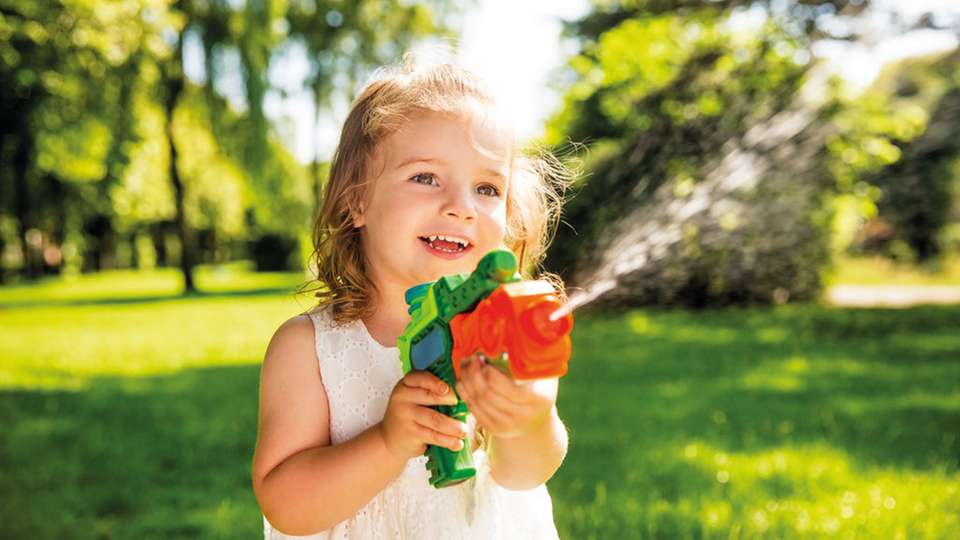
467, 137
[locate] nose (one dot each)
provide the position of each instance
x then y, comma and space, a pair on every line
459, 205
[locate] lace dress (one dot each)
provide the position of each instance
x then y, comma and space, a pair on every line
359, 374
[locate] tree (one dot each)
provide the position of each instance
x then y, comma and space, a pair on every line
917, 190
66, 67
715, 151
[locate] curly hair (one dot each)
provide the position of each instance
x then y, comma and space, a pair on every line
538, 181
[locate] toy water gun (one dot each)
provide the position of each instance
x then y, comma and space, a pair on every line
490, 312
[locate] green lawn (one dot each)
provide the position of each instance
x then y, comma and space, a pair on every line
129, 412
883, 271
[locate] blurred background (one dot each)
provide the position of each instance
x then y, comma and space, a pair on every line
763, 245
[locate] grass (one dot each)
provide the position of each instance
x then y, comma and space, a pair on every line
799, 422
128, 412
138, 286
884, 271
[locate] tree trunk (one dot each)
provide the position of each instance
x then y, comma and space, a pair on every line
21, 168
174, 84
3, 268
58, 234
158, 232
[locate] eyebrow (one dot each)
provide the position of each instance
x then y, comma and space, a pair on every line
439, 161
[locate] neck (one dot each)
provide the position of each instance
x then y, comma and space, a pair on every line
390, 318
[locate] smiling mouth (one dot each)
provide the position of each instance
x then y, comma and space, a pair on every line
446, 244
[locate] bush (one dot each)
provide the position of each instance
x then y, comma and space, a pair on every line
705, 188
273, 252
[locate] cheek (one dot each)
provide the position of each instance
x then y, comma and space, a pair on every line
391, 216
499, 221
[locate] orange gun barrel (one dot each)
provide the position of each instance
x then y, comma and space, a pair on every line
514, 324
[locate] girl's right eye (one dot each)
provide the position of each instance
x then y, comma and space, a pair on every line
424, 178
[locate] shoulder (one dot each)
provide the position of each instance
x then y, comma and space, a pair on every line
291, 361
299, 332
292, 355
292, 342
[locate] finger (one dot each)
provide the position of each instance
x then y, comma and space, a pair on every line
424, 379
475, 379
491, 420
531, 393
423, 396
430, 436
506, 415
477, 385
499, 382
463, 390
440, 423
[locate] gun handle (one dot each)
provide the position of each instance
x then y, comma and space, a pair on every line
448, 468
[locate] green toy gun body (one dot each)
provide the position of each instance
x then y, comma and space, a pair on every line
490, 312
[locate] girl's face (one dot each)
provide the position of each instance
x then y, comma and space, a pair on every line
438, 201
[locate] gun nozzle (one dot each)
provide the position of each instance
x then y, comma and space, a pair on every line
546, 322
560, 313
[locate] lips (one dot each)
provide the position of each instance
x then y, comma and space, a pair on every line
448, 243
447, 247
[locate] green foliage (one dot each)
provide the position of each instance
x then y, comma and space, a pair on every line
91, 94
216, 194
676, 104
144, 195
664, 126
68, 78
918, 189
869, 129
75, 151
273, 252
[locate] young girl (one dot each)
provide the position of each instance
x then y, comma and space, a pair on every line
425, 181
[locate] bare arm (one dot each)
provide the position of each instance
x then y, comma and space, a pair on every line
526, 461
302, 483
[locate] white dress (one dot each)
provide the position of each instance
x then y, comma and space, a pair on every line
359, 374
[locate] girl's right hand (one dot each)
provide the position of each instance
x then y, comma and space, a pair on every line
409, 424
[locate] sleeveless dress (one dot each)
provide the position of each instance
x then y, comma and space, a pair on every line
359, 374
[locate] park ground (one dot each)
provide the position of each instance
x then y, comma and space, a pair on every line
129, 411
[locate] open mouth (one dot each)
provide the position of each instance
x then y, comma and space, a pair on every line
446, 243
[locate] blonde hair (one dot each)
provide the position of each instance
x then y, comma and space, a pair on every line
537, 183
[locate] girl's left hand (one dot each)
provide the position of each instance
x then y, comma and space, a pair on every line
504, 408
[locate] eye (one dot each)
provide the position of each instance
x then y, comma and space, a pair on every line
424, 178
489, 190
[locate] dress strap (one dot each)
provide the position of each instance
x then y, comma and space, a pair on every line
322, 325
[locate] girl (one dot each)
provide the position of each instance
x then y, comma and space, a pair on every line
424, 182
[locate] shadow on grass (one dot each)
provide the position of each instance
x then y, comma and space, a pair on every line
157, 457
148, 299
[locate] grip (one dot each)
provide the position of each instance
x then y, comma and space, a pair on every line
448, 468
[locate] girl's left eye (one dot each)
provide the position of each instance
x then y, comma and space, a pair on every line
431, 178
487, 189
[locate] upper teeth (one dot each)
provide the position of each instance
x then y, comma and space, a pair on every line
457, 239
